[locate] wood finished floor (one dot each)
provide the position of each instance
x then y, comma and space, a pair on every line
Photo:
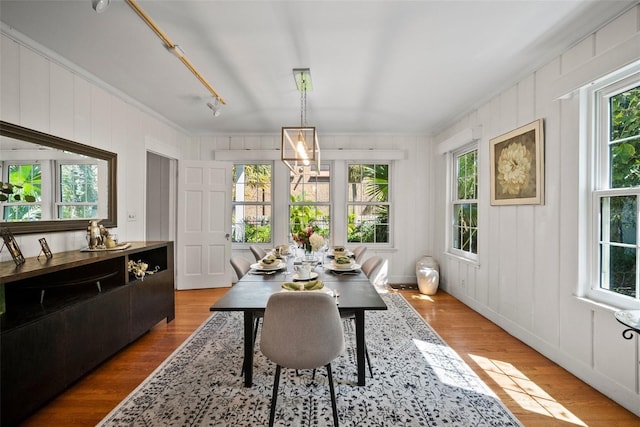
536, 390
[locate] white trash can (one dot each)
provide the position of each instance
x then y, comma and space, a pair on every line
428, 274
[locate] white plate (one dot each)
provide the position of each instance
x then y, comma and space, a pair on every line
313, 275
258, 266
332, 267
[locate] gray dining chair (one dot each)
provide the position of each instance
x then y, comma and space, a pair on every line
358, 253
371, 265
240, 265
301, 330
258, 252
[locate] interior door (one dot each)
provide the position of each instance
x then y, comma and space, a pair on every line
204, 224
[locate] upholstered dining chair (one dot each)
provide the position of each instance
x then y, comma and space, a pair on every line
240, 265
371, 265
258, 252
302, 330
358, 253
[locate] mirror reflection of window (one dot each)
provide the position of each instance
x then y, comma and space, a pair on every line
78, 191
29, 178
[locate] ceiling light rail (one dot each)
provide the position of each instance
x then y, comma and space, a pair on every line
173, 48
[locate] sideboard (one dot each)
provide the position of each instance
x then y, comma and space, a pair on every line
65, 315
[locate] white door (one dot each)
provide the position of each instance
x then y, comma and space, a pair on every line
204, 224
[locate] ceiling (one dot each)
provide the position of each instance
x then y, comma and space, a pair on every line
390, 67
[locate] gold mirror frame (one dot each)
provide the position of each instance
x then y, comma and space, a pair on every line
10, 130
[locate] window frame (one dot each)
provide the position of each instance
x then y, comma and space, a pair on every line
597, 97
270, 203
454, 155
329, 203
389, 202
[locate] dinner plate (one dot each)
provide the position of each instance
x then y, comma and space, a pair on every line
313, 275
332, 267
258, 266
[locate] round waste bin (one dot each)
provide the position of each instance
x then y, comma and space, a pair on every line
428, 274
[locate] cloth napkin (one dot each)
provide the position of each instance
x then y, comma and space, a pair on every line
312, 285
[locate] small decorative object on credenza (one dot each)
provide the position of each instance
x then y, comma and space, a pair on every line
45, 249
12, 245
140, 268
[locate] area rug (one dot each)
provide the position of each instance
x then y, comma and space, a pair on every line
417, 381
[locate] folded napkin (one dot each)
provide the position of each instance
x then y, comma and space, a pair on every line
312, 285
269, 261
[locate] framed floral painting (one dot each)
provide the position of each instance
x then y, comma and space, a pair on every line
517, 166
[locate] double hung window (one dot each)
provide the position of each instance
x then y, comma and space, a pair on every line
616, 171
310, 199
464, 203
368, 203
252, 203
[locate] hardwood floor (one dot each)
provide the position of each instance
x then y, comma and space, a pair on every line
536, 390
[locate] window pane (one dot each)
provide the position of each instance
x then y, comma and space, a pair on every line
29, 177
78, 183
75, 212
368, 223
618, 219
467, 176
624, 135
251, 223
251, 183
465, 227
618, 267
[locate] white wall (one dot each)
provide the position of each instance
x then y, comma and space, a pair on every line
409, 180
529, 267
43, 92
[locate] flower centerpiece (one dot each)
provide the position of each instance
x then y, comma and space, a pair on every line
140, 268
309, 239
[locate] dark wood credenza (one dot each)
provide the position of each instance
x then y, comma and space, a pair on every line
66, 315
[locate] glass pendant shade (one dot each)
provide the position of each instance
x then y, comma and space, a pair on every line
299, 146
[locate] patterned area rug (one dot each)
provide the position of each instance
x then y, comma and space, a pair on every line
418, 381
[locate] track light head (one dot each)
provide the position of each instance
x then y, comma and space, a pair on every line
100, 5
215, 107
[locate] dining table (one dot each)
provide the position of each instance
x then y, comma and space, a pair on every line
351, 289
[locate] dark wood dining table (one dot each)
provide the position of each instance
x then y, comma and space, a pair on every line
250, 295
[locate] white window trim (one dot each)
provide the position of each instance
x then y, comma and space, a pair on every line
452, 157
593, 104
389, 202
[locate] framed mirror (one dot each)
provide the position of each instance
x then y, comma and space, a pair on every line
72, 182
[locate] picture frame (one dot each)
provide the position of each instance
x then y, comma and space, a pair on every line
517, 166
12, 246
45, 248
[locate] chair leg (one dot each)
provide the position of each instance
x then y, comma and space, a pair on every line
333, 395
366, 353
274, 397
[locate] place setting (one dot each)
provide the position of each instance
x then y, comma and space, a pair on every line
343, 265
268, 265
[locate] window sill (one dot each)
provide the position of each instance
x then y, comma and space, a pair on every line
471, 262
604, 306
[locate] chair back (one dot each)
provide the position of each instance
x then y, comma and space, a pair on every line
258, 252
358, 252
240, 265
371, 265
301, 330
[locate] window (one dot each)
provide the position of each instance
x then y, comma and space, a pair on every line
464, 203
78, 191
252, 203
368, 203
29, 177
310, 199
617, 187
